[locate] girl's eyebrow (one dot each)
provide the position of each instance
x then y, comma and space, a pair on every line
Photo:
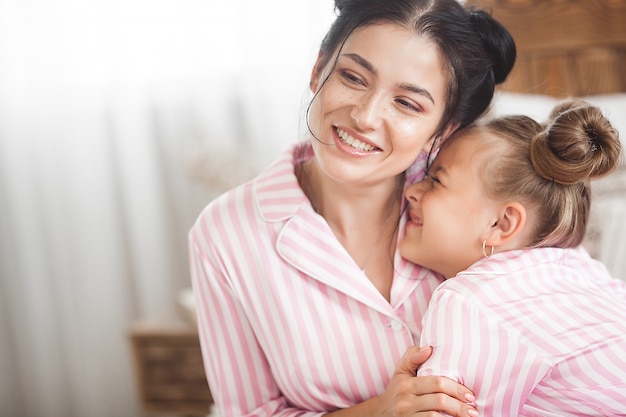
405, 86
438, 169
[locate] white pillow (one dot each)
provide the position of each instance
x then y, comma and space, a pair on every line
536, 106
539, 107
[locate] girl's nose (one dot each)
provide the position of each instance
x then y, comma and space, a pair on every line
415, 191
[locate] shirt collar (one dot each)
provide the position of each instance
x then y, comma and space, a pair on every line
276, 189
504, 263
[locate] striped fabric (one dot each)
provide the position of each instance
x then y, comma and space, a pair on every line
289, 325
533, 333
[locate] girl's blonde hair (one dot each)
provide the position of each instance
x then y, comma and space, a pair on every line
548, 167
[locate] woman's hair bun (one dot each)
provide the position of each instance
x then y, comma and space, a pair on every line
344, 6
340, 4
497, 41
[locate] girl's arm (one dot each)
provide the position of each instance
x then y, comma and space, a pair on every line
483, 354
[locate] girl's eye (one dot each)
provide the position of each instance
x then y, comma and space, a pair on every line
433, 179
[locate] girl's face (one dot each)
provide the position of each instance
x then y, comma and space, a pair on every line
380, 105
450, 213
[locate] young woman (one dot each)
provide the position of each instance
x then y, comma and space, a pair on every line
304, 307
530, 322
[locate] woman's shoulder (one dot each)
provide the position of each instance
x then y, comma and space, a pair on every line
273, 189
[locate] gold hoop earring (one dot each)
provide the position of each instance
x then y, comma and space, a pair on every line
484, 247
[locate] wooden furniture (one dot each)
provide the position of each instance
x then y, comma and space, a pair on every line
565, 47
168, 368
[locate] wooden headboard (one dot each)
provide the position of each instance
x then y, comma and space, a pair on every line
564, 47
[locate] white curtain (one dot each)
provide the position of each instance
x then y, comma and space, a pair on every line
119, 121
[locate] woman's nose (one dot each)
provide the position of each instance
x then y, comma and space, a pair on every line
368, 112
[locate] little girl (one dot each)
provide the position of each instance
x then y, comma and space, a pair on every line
530, 322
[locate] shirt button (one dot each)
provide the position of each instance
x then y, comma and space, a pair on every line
396, 325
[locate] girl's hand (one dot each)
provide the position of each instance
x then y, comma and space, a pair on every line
409, 395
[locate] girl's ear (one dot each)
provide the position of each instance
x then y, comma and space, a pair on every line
509, 225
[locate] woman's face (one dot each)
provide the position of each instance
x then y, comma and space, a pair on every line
380, 105
450, 213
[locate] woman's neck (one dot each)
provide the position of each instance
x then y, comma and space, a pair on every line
363, 218
345, 206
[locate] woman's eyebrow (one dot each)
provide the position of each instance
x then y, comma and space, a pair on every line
405, 86
362, 62
418, 90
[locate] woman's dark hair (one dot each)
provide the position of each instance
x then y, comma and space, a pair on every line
477, 51
548, 167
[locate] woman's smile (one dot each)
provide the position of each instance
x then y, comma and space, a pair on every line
356, 144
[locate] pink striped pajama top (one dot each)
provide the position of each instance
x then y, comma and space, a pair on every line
540, 332
289, 325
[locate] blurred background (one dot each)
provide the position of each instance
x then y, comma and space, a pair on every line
119, 121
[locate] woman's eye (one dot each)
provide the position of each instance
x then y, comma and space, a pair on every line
409, 105
351, 78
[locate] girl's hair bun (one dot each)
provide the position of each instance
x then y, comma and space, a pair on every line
578, 144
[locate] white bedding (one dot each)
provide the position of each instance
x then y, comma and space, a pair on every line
606, 237
539, 106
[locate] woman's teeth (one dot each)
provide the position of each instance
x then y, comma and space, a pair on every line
355, 143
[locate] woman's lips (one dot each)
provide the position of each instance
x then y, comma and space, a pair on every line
353, 144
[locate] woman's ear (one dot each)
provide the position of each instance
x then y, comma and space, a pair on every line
450, 129
508, 228
316, 74
428, 145
445, 134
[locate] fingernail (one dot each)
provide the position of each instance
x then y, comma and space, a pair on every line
469, 397
472, 412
